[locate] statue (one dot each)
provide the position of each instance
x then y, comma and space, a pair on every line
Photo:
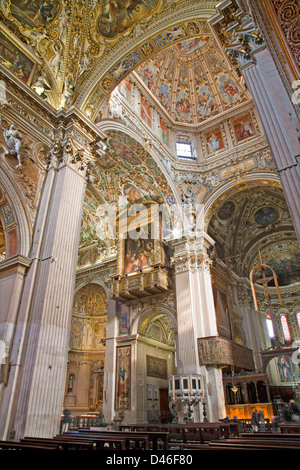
41, 86
13, 140
66, 98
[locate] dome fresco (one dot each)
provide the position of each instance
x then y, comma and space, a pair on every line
191, 81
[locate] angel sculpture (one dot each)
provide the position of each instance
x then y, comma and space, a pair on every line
13, 140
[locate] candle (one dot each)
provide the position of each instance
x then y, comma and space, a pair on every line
188, 381
173, 388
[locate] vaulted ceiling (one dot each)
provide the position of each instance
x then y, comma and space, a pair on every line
83, 48
192, 81
253, 226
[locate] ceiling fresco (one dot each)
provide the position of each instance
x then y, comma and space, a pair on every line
254, 226
73, 48
191, 81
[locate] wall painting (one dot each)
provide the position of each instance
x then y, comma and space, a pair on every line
157, 367
15, 60
243, 128
214, 140
123, 378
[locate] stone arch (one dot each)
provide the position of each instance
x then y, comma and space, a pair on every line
109, 125
14, 217
132, 50
87, 291
150, 312
224, 191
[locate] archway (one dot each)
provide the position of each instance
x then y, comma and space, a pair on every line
156, 358
86, 358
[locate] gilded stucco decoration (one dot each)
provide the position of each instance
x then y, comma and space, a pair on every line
90, 300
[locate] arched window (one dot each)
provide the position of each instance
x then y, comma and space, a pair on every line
270, 326
298, 318
285, 328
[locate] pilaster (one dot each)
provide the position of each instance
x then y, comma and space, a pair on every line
33, 397
196, 315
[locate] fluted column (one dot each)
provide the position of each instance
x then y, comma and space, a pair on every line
279, 121
196, 315
35, 390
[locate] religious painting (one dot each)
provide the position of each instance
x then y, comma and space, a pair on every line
206, 102
34, 13
123, 312
165, 96
106, 162
214, 140
288, 370
266, 215
243, 128
14, 60
146, 112
125, 88
191, 45
138, 252
88, 257
132, 194
157, 367
228, 89
123, 378
222, 312
117, 17
7, 214
183, 106
226, 211
148, 75
165, 132
287, 267
123, 151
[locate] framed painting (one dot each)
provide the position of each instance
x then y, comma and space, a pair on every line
146, 112
243, 128
123, 378
15, 60
214, 140
34, 13
157, 367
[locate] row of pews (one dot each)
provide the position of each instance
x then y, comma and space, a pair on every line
163, 437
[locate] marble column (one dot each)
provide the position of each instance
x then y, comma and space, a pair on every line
196, 317
280, 123
33, 399
109, 385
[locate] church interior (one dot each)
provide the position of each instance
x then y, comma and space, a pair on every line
149, 213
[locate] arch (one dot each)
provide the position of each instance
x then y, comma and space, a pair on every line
148, 312
90, 299
14, 216
109, 125
227, 190
132, 50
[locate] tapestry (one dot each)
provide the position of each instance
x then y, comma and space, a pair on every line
123, 378
157, 367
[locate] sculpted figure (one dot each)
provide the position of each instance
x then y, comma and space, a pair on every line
13, 140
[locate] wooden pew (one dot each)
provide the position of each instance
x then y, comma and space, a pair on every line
77, 443
133, 440
14, 445
243, 444
290, 428
158, 439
